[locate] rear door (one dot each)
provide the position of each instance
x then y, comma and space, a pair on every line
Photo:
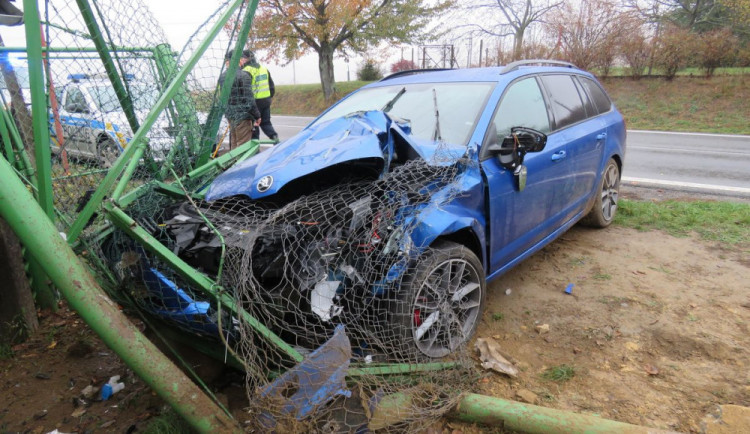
518, 220
577, 126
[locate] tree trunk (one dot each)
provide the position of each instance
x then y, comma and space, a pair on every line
325, 65
518, 43
18, 108
17, 311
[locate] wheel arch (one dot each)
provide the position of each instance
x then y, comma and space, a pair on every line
465, 237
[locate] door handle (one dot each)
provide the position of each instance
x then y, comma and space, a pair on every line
601, 136
557, 156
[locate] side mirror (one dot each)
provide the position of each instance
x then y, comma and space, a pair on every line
525, 140
515, 146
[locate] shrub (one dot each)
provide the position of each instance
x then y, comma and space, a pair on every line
369, 71
403, 65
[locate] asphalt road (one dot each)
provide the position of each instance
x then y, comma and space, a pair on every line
690, 161
703, 163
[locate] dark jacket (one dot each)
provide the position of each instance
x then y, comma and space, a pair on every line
241, 104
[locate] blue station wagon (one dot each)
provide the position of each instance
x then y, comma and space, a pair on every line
394, 208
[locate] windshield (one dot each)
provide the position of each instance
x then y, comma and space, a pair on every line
104, 96
458, 105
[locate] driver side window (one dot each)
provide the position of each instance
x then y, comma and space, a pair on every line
522, 106
75, 101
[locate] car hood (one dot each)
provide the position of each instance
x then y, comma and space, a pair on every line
358, 136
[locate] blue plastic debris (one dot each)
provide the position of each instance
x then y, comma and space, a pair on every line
317, 380
569, 289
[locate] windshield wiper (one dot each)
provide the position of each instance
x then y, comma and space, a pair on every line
436, 135
386, 108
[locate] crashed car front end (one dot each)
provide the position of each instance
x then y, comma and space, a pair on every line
324, 228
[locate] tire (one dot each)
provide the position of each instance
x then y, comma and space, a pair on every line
106, 152
603, 211
431, 323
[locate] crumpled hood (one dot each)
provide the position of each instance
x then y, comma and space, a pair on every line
363, 135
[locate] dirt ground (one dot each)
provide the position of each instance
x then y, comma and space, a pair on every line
656, 330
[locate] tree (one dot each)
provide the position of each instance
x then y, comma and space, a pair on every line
672, 50
714, 49
587, 33
518, 16
634, 46
289, 28
403, 65
17, 311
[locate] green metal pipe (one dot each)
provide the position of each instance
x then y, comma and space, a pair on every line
101, 46
129, 170
39, 235
167, 67
533, 419
398, 368
171, 90
45, 296
26, 167
214, 116
39, 108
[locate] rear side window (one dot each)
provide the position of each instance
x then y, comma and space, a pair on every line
601, 100
522, 106
565, 100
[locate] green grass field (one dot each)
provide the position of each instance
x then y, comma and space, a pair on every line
726, 222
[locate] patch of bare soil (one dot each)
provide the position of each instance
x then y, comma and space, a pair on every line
656, 329
41, 385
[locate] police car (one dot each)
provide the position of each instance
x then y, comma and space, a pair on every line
94, 125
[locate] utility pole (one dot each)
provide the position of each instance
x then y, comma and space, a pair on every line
481, 48
468, 55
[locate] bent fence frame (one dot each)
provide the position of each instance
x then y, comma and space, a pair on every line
32, 219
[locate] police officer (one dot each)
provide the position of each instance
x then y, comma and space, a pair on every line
263, 89
242, 111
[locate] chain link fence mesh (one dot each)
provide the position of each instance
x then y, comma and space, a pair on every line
327, 274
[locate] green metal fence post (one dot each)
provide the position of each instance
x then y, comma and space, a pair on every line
214, 117
109, 65
187, 119
45, 296
39, 235
533, 419
39, 108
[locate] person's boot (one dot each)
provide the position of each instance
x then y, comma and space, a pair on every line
275, 138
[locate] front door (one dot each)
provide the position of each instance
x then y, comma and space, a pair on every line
518, 220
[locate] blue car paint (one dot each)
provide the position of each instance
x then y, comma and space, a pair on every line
356, 137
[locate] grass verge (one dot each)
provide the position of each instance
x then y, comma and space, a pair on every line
726, 222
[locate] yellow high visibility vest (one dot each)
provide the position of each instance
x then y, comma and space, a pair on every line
261, 88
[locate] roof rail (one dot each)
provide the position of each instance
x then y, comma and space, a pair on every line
412, 72
526, 62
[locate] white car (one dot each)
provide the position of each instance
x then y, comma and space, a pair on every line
94, 125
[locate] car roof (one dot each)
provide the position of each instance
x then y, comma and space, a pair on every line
485, 74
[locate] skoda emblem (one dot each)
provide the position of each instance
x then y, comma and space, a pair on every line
264, 183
